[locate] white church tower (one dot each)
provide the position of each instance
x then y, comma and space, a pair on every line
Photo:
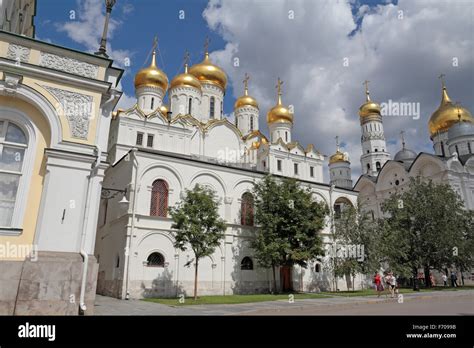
374, 150
340, 169
246, 111
213, 81
151, 85
185, 93
280, 120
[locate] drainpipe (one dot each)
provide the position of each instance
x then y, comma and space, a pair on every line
132, 228
83, 252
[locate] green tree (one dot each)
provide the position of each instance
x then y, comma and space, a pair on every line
289, 221
197, 225
355, 228
425, 226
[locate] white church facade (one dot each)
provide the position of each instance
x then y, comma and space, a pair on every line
156, 151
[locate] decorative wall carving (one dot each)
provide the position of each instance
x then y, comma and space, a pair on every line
18, 53
77, 108
69, 65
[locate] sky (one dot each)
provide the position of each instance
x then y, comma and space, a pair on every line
323, 50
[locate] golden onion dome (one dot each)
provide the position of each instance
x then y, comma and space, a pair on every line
186, 79
246, 99
338, 157
279, 113
209, 73
151, 76
369, 107
447, 114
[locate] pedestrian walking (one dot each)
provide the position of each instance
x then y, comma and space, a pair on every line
453, 279
378, 284
445, 279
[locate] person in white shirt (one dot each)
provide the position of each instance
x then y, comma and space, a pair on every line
445, 279
392, 283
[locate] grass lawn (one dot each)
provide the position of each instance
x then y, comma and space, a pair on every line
369, 292
232, 299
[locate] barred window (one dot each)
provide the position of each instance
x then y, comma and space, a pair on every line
139, 139
246, 264
159, 198
247, 214
156, 260
149, 141
190, 105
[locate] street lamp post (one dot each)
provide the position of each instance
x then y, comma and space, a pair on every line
109, 4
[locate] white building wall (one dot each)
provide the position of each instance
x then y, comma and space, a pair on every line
221, 272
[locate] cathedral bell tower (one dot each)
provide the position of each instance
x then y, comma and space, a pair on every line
374, 149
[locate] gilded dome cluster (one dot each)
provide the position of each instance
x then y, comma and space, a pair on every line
203, 72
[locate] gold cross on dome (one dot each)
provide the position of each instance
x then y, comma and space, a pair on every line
441, 77
206, 44
278, 86
155, 43
186, 58
366, 83
337, 142
246, 83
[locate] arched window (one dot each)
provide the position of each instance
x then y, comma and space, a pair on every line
378, 166
190, 105
237, 122
469, 147
442, 149
222, 109
155, 260
246, 264
152, 103
159, 198
368, 167
246, 217
117, 261
317, 268
212, 106
286, 136
251, 123
13, 146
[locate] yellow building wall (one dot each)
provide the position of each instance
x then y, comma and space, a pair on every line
36, 184
35, 83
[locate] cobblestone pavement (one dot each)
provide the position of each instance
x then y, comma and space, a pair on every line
424, 303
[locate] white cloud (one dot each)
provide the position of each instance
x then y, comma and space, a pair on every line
86, 29
401, 53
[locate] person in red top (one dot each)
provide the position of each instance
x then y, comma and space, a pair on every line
378, 284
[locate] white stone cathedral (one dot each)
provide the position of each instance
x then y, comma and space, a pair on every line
156, 151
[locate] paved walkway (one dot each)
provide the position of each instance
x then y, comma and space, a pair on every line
424, 303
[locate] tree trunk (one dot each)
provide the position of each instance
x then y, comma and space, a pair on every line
415, 279
196, 279
427, 277
353, 282
275, 290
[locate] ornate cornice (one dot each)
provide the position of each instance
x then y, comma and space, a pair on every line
69, 65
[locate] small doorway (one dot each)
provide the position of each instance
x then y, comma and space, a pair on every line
285, 279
